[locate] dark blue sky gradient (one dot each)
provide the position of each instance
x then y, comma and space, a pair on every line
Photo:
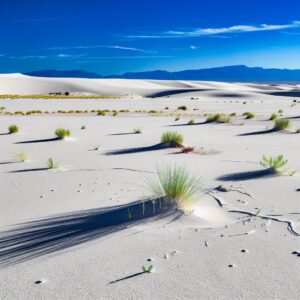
111, 37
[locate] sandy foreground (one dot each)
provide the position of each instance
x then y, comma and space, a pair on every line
53, 240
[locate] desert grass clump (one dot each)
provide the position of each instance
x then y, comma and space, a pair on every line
20, 156
177, 119
183, 107
298, 130
212, 118
273, 117
82, 127
281, 124
62, 133
276, 164
224, 119
249, 115
175, 184
174, 138
137, 130
51, 164
13, 129
191, 122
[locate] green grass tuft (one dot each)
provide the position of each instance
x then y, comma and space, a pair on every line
62, 133
137, 130
13, 129
173, 137
176, 185
277, 164
51, 164
281, 124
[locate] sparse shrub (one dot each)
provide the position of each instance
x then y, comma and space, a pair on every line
152, 111
20, 156
224, 119
13, 129
281, 124
115, 114
173, 137
191, 122
298, 130
280, 111
212, 118
233, 114
177, 119
148, 269
276, 164
249, 115
51, 164
62, 133
273, 116
82, 127
175, 184
101, 113
166, 107
137, 130
183, 107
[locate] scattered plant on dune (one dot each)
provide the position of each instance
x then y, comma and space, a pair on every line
280, 111
298, 130
51, 164
273, 116
249, 115
13, 129
212, 118
148, 269
281, 124
83, 127
175, 184
276, 164
137, 130
183, 107
115, 114
173, 137
233, 114
191, 122
177, 119
224, 119
20, 156
62, 133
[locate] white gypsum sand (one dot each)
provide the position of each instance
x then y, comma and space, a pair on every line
241, 241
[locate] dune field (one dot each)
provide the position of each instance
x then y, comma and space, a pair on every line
85, 228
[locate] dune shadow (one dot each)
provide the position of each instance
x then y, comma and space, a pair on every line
229, 95
248, 175
7, 133
38, 141
176, 91
8, 162
156, 147
195, 124
259, 132
29, 170
36, 238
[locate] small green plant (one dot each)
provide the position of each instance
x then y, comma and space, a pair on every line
183, 107
224, 119
276, 164
273, 117
175, 184
137, 130
212, 118
233, 114
280, 111
13, 129
191, 122
20, 156
101, 113
148, 269
115, 114
281, 124
62, 133
51, 164
298, 130
173, 137
82, 127
177, 119
249, 115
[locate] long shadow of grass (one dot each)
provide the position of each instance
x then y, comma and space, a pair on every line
156, 147
45, 236
125, 133
247, 175
195, 124
7, 133
38, 141
259, 132
29, 170
9, 162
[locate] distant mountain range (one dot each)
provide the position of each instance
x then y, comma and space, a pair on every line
238, 73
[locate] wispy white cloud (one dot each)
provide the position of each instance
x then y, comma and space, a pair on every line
28, 57
198, 32
193, 47
97, 59
102, 46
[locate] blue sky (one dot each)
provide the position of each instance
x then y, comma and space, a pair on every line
114, 36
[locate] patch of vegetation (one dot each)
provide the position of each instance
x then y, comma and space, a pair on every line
137, 130
177, 119
276, 164
191, 122
233, 114
273, 117
175, 184
281, 124
148, 269
62, 133
13, 129
183, 107
249, 115
51, 164
173, 137
20, 156
82, 127
212, 118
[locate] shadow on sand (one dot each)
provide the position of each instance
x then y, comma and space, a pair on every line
38, 141
7, 133
29, 170
159, 146
125, 133
248, 175
46, 236
259, 132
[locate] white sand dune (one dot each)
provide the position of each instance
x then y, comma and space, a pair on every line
66, 234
